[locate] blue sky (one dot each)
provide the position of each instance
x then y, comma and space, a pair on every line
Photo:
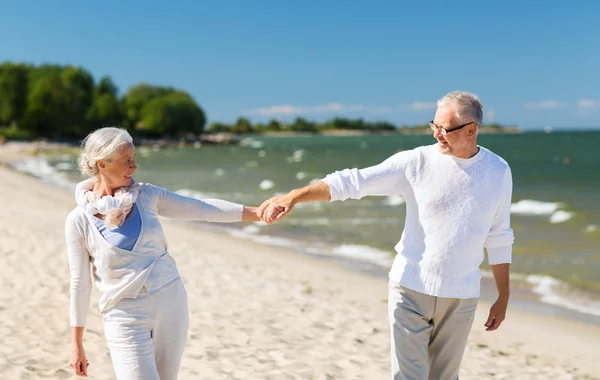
533, 63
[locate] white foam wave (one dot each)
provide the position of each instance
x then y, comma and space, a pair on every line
394, 200
252, 143
561, 216
313, 206
533, 207
39, 167
310, 222
539, 208
193, 194
297, 156
252, 235
370, 221
364, 253
64, 166
266, 184
300, 175
590, 228
554, 292
202, 195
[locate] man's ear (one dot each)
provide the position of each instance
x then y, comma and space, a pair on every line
472, 130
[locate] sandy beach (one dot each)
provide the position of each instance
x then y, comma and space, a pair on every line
256, 312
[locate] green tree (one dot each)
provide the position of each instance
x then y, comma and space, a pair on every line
79, 94
216, 127
243, 125
174, 115
274, 125
13, 92
107, 86
303, 125
136, 98
106, 108
45, 112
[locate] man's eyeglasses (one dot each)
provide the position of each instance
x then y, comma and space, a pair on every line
445, 131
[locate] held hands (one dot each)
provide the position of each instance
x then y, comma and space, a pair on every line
497, 314
275, 209
79, 361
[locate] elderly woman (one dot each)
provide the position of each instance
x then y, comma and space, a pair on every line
115, 228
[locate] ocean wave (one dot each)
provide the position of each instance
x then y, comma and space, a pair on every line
538, 208
64, 166
39, 167
252, 143
555, 292
310, 222
266, 184
561, 216
394, 200
252, 234
533, 207
364, 253
296, 157
202, 195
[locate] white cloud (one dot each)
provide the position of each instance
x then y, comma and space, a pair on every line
588, 103
545, 105
337, 107
419, 106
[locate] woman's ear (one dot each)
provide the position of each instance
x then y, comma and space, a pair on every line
101, 164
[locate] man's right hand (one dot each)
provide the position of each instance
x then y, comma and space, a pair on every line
275, 208
79, 361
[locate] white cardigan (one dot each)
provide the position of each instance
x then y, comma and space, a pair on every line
120, 273
454, 208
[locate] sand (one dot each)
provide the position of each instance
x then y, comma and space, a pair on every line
257, 312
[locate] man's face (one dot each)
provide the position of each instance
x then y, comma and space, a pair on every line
454, 142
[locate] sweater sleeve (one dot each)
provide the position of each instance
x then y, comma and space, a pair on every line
386, 178
176, 206
500, 238
79, 265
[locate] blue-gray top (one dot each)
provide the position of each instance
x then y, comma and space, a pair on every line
124, 236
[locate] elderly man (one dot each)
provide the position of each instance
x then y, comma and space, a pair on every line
458, 197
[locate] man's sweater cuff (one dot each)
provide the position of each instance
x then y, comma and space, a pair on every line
500, 255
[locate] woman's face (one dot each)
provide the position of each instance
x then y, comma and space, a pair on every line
118, 170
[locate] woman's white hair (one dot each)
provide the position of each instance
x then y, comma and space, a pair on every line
101, 144
468, 106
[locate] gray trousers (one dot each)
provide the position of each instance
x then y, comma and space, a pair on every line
428, 334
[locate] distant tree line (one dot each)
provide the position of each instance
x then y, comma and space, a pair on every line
65, 102
243, 125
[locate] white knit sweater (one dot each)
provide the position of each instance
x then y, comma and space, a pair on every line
120, 273
454, 208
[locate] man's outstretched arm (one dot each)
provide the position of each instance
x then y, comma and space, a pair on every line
277, 208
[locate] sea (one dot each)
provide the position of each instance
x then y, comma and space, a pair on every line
555, 210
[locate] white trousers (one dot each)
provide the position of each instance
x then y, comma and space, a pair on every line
428, 334
146, 335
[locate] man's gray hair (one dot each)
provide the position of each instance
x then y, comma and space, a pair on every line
102, 144
468, 106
